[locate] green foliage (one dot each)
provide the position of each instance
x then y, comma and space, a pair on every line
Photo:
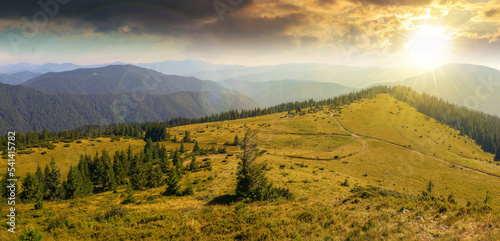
31, 234
194, 166
345, 183
172, 181
32, 189
52, 181
252, 183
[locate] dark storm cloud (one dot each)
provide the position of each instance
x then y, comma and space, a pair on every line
110, 15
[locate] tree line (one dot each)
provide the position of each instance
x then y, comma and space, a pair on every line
481, 127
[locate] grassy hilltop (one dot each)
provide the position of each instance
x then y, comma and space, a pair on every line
375, 169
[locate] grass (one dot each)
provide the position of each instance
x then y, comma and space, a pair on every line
325, 207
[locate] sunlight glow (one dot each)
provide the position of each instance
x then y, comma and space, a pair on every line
427, 46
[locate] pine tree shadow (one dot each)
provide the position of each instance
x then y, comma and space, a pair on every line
226, 199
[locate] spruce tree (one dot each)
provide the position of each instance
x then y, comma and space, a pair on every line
138, 177
53, 180
155, 176
176, 160
236, 141
119, 169
41, 177
196, 148
251, 180
108, 180
98, 170
172, 181
83, 168
74, 185
194, 166
182, 150
32, 188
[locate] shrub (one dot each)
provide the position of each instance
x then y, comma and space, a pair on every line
31, 234
66, 145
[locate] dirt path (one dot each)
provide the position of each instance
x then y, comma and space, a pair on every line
365, 145
359, 137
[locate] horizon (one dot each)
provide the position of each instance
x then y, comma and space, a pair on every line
402, 34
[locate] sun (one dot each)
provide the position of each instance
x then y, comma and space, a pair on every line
427, 46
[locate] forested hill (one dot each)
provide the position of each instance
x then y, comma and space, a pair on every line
25, 109
483, 128
474, 86
114, 79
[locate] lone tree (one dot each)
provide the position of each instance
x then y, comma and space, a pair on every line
236, 141
252, 183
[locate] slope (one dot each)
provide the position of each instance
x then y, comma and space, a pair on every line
324, 166
25, 109
473, 86
115, 79
271, 93
18, 77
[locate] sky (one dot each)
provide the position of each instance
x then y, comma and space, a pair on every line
401, 33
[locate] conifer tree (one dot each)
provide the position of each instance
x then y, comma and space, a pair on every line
99, 170
172, 181
74, 186
109, 182
119, 169
193, 166
83, 168
32, 188
155, 176
236, 141
176, 160
196, 148
137, 174
251, 180
187, 137
53, 180
41, 177
182, 150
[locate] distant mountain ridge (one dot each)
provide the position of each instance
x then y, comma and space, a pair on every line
18, 78
114, 79
26, 109
473, 86
271, 93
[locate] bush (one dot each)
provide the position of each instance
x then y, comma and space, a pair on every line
31, 234
66, 145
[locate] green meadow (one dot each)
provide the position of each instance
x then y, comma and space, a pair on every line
342, 189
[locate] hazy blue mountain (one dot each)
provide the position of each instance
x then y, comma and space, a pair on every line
119, 79
17, 78
26, 109
356, 77
186, 67
276, 92
45, 68
474, 86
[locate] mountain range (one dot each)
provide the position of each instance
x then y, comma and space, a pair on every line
271, 93
473, 86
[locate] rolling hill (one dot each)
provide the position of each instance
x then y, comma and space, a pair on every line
473, 86
114, 79
376, 169
18, 77
26, 109
271, 93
